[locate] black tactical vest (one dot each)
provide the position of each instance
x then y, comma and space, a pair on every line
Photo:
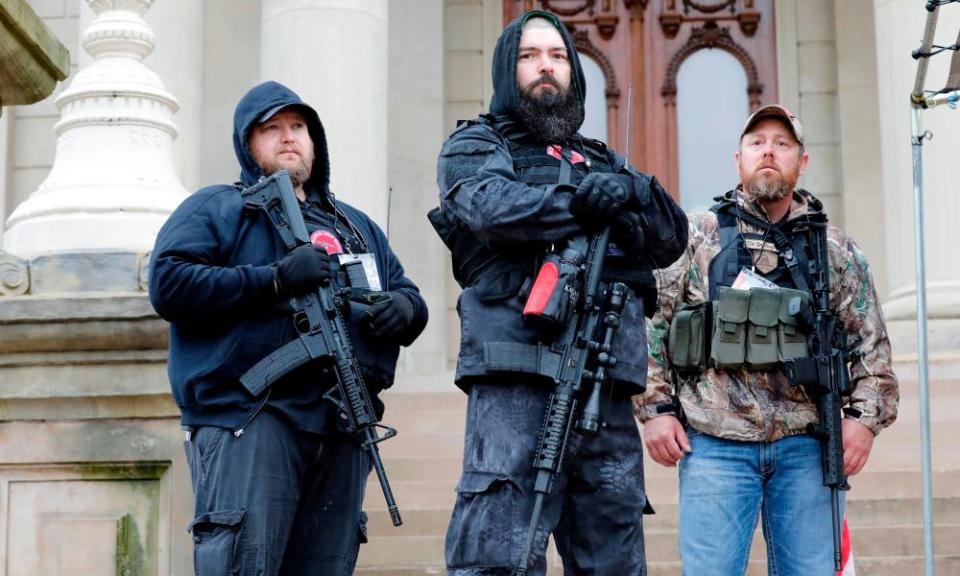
496, 274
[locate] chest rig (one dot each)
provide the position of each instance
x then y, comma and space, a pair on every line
537, 164
791, 239
756, 328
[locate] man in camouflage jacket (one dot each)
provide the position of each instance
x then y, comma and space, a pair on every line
744, 448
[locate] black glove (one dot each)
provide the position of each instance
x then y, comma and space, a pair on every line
598, 199
390, 317
626, 230
304, 269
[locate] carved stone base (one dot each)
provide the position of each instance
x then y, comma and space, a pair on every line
77, 272
92, 473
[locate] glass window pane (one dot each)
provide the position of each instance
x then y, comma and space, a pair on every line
595, 117
712, 106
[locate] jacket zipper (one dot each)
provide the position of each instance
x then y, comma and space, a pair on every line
239, 431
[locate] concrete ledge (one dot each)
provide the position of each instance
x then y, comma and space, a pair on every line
32, 60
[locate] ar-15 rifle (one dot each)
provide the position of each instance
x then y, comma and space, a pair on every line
824, 375
322, 333
575, 347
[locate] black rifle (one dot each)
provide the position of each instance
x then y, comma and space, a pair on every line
322, 333
576, 347
824, 376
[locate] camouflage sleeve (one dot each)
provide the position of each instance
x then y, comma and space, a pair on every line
875, 392
673, 285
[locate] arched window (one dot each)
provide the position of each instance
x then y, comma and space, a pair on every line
595, 119
712, 105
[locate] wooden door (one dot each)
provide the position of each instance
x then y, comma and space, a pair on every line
641, 45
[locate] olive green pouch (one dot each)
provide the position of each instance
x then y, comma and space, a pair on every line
762, 352
729, 342
686, 341
791, 333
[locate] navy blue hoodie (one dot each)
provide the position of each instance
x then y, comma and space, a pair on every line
211, 276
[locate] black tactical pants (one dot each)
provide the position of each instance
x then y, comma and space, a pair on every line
276, 501
595, 511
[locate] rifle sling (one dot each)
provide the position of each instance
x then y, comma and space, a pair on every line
785, 247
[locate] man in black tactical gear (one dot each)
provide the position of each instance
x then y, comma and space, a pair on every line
278, 482
515, 184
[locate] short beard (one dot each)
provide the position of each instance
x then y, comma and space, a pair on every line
299, 174
551, 117
770, 188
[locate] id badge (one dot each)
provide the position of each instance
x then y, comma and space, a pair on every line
369, 268
748, 279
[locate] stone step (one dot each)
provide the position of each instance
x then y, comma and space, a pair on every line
943, 408
424, 445
404, 551
420, 469
895, 456
906, 434
411, 495
426, 421
399, 402
416, 522
900, 541
901, 511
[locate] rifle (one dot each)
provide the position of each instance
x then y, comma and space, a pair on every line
575, 347
824, 375
322, 333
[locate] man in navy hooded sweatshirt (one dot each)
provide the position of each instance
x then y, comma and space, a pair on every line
278, 483
520, 181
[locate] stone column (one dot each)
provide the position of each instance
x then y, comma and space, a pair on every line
334, 54
113, 182
899, 26
179, 59
93, 473
416, 132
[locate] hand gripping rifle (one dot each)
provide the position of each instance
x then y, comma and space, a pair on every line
575, 348
824, 375
322, 333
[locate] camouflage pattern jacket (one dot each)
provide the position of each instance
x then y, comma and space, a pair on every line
763, 406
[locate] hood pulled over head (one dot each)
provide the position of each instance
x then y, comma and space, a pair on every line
506, 91
273, 97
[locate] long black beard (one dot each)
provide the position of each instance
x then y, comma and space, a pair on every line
551, 117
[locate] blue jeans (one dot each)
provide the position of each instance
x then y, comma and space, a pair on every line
724, 484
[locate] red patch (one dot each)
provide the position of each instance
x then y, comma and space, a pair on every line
327, 241
556, 151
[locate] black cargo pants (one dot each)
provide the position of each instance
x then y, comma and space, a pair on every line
276, 501
595, 511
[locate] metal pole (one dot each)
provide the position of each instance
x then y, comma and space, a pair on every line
917, 141
918, 101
